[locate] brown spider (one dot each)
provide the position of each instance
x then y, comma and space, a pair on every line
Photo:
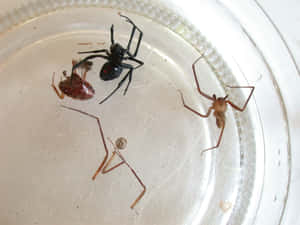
120, 144
219, 106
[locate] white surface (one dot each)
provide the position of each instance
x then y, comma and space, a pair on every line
286, 17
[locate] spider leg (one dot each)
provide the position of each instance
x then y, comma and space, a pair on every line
105, 170
101, 133
193, 110
119, 85
138, 179
129, 73
60, 95
95, 51
218, 143
134, 28
131, 68
130, 39
84, 60
135, 60
112, 34
197, 82
245, 104
129, 81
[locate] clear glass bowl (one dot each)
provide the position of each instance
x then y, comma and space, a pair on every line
49, 154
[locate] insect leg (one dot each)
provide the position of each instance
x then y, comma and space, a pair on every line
138, 179
60, 95
101, 133
105, 170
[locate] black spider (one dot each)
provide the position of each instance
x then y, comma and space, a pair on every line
114, 66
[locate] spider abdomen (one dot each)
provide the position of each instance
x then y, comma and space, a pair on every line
220, 119
110, 71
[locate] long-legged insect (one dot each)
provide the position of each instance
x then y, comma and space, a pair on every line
120, 144
219, 106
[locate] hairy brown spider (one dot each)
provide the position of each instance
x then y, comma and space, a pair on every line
219, 106
120, 144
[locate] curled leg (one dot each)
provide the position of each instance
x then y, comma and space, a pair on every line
101, 133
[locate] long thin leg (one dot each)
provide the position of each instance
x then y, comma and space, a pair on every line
112, 34
129, 81
193, 110
101, 133
137, 177
95, 51
130, 39
131, 36
196, 80
245, 104
135, 60
86, 59
60, 95
218, 143
105, 170
117, 88
129, 73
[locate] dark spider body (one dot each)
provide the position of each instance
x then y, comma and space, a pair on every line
79, 89
115, 56
113, 68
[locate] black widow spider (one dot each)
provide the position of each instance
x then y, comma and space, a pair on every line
114, 66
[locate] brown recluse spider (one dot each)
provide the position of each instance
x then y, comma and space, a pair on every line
120, 144
219, 106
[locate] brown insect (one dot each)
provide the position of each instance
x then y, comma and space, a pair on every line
120, 144
219, 106
75, 86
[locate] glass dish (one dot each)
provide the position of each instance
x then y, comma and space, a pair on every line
49, 154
